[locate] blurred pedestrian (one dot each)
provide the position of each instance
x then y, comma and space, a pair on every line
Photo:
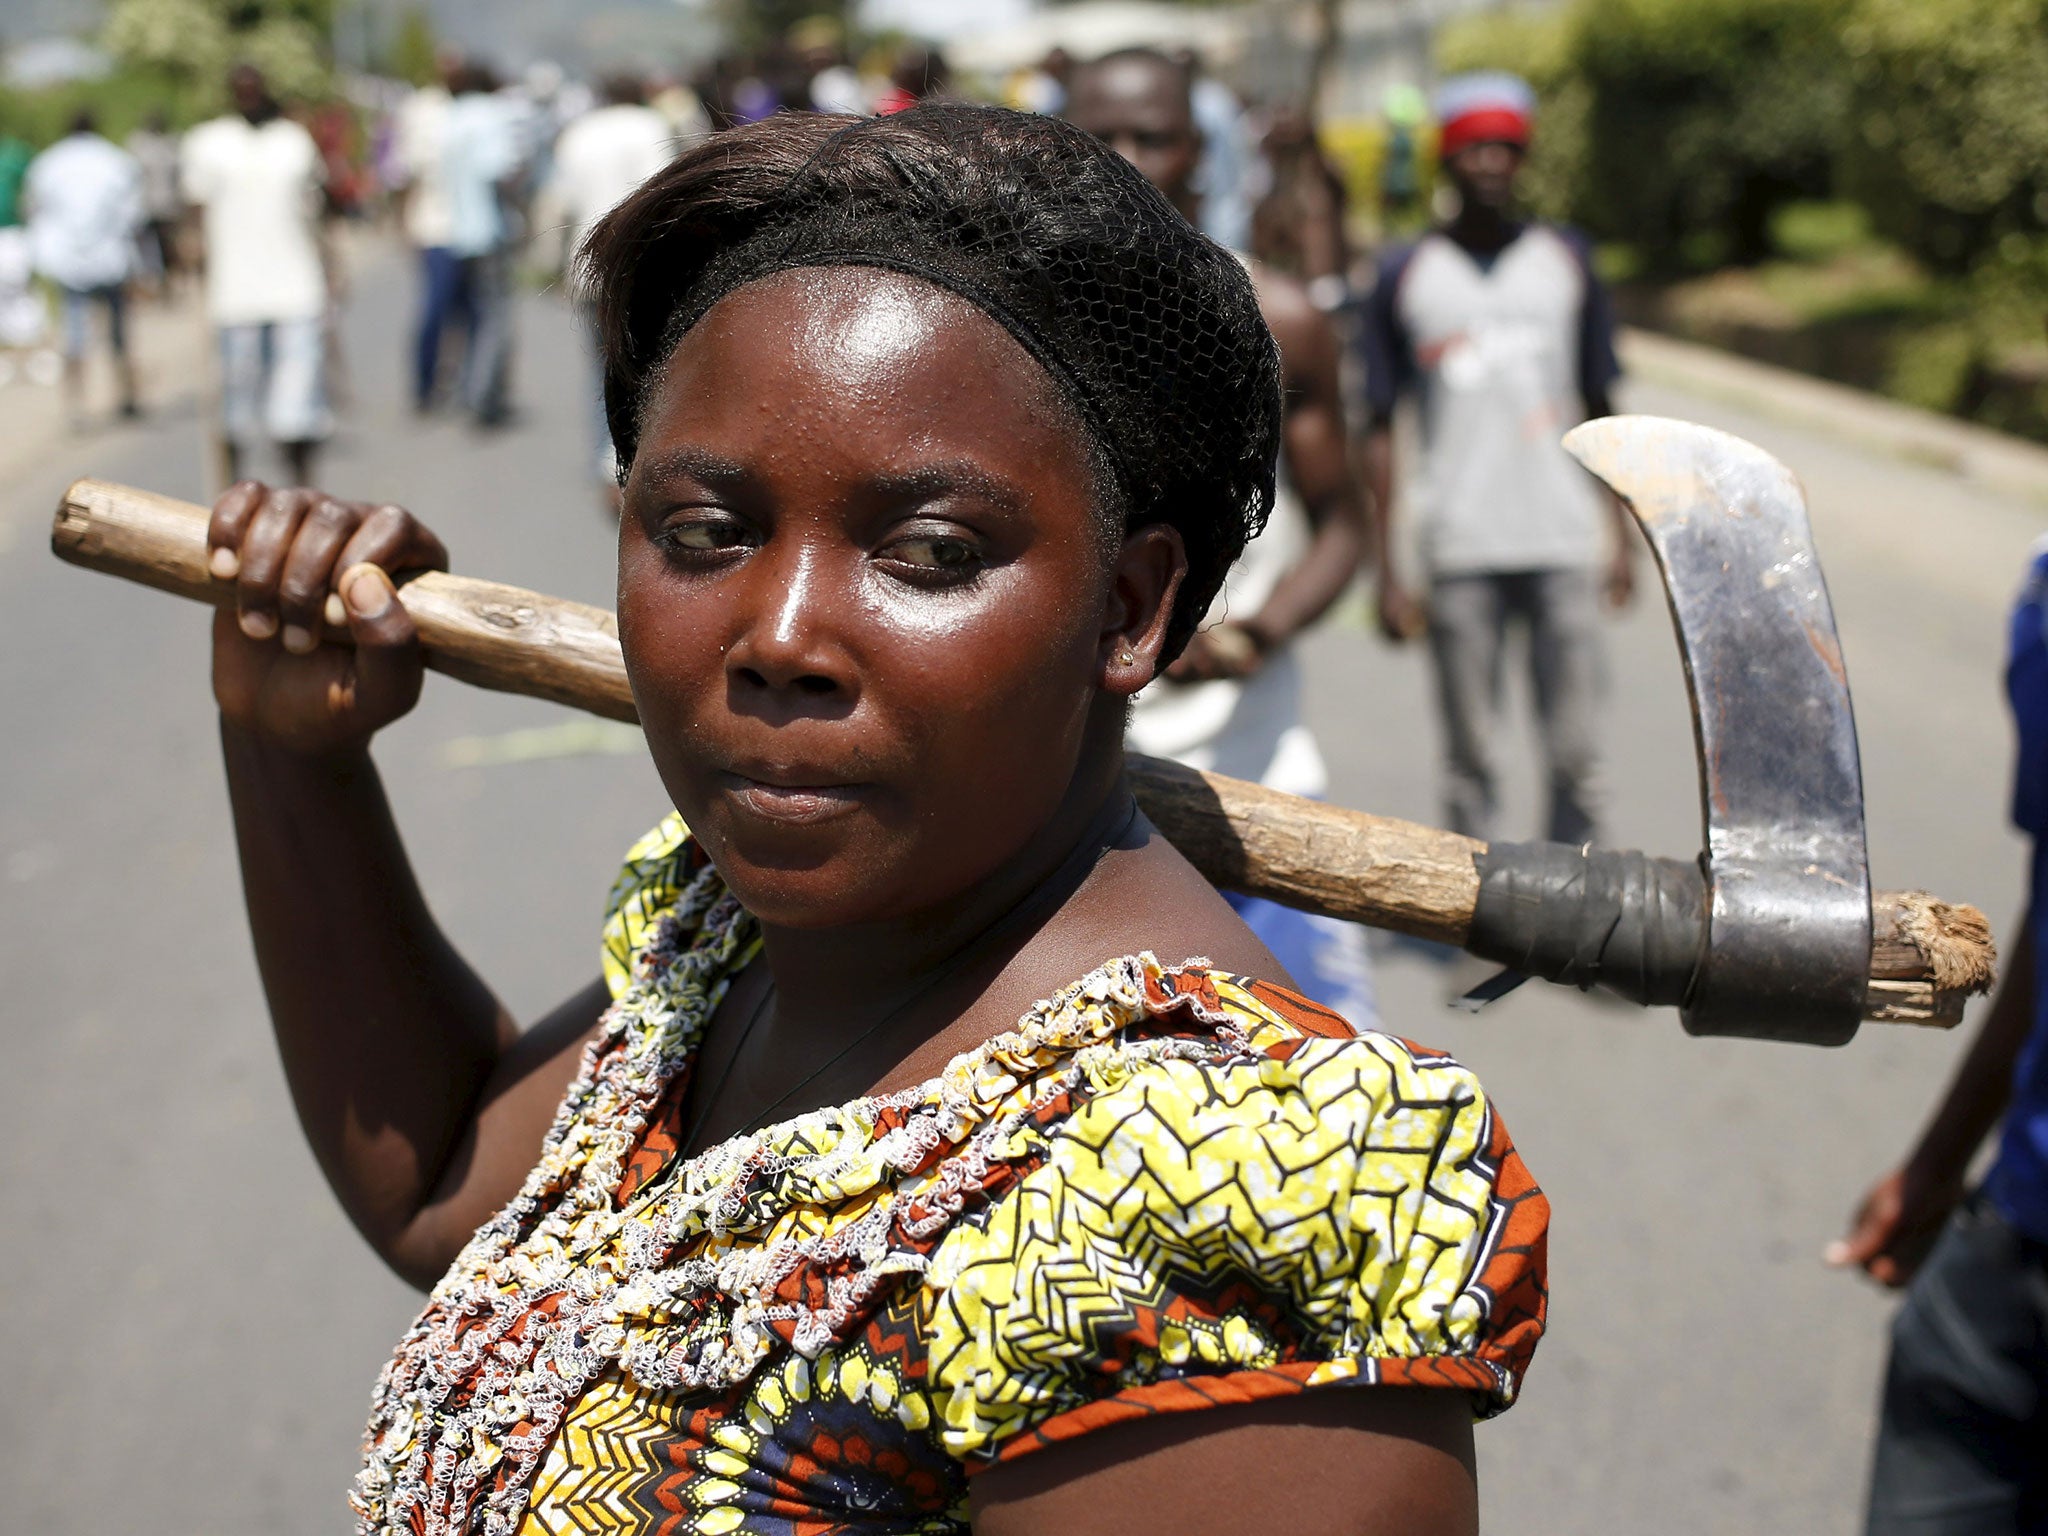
1299, 224
483, 167
256, 175
1223, 175
919, 74
1043, 87
155, 148
1232, 702
1497, 325
600, 158
1962, 1444
83, 197
23, 318
831, 83
420, 137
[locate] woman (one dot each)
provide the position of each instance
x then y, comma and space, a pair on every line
897, 1185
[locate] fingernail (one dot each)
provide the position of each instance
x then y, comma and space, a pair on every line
335, 611
259, 625
367, 591
298, 639
224, 563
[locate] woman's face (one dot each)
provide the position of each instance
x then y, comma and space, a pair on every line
869, 612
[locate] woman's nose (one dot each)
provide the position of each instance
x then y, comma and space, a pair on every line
790, 641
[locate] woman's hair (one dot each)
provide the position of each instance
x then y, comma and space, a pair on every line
1151, 332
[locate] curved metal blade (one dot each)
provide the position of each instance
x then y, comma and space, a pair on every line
1781, 785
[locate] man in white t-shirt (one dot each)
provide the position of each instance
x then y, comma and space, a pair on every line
1499, 330
419, 132
600, 158
85, 212
484, 159
257, 177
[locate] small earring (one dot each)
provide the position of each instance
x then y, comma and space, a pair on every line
1126, 656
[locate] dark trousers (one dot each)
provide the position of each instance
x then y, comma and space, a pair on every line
1469, 620
445, 300
1962, 1448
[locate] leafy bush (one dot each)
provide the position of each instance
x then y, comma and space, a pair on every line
1948, 147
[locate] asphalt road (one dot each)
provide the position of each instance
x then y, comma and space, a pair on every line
192, 1328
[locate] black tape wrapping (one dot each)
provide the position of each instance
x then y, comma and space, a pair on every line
1592, 917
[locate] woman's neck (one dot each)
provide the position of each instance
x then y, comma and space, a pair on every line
835, 974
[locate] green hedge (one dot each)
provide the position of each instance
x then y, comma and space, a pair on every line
1682, 126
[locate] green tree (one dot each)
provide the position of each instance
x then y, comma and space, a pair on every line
1948, 147
414, 49
191, 43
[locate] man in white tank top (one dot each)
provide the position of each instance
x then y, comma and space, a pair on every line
1502, 334
1232, 702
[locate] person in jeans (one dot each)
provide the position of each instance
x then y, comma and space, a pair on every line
257, 175
483, 162
1500, 330
84, 200
1962, 1446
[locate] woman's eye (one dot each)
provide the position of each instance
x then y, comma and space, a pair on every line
934, 552
703, 534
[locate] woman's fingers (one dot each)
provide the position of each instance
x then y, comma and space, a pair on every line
264, 548
309, 568
387, 660
230, 520
392, 539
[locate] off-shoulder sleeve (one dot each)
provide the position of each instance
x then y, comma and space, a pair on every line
1331, 1210
649, 885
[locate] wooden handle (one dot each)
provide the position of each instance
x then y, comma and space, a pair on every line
1928, 956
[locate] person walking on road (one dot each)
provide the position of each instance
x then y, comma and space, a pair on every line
483, 160
155, 148
1499, 327
1232, 702
599, 159
85, 212
1962, 1443
257, 177
421, 133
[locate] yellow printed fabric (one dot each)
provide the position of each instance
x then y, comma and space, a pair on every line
1166, 1189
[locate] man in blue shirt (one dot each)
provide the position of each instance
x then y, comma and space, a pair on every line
1963, 1443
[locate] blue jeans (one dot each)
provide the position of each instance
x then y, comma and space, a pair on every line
444, 301
1962, 1447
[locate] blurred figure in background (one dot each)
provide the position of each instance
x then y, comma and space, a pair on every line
1299, 226
919, 74
83, 197
682, 107
1962, 1445
831, 83
420, 136
600, 158
1223, 175
1401, 165
256, 176
1500, 329
23, 319
483, 167
1232, 702
155, 149
1043, 88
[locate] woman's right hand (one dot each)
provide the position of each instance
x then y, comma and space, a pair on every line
287, 551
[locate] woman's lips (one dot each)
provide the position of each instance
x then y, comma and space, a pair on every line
793, 805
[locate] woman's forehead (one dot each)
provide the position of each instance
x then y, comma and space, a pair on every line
868, 342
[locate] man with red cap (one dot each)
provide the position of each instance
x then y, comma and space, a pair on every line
1499, 329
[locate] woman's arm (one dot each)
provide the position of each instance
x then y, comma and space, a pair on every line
1341, 1461
423, 1103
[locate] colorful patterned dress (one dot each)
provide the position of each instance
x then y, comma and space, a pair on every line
1166, 1188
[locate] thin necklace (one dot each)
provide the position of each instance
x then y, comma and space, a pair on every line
725, 1073
1089, 854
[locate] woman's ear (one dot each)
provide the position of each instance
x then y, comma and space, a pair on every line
1144, 581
